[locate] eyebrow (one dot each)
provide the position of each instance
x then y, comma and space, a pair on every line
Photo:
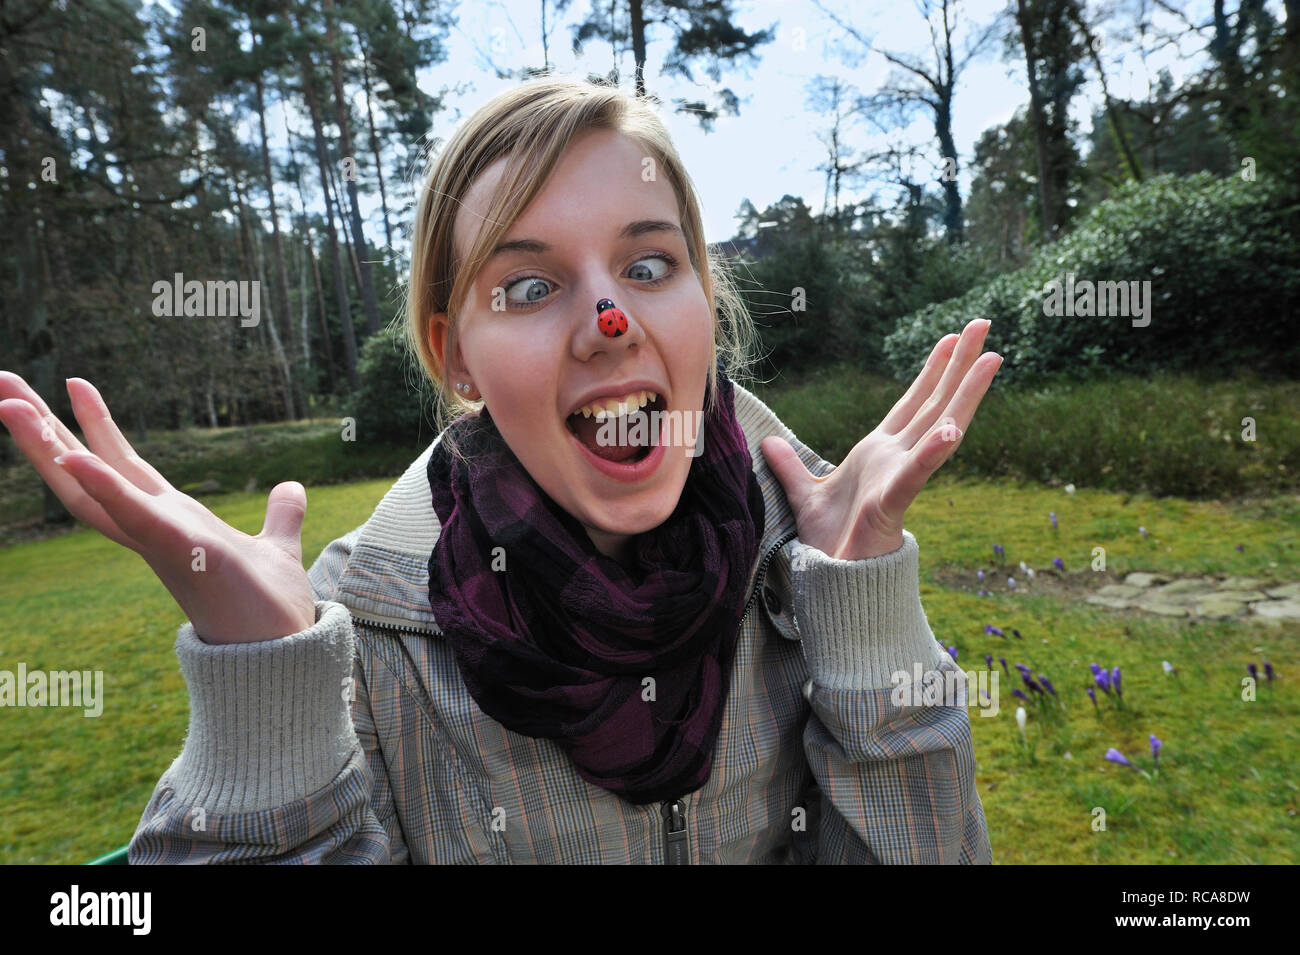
632, 230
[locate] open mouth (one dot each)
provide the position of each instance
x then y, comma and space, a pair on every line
624, 440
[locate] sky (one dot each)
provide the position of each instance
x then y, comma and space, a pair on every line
772, 148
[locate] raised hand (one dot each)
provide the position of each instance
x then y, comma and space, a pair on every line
234, 588
856, 511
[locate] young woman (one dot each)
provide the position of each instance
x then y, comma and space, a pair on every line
555, 640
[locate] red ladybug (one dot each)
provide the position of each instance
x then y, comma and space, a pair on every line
610, 318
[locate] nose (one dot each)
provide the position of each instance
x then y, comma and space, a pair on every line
609, 327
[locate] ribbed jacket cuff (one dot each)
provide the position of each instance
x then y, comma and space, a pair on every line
861, 620
269, 721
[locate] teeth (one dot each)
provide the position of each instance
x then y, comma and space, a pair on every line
617, 407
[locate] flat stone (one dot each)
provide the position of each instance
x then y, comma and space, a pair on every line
1166, 609
1140, 579
1280, 609
1240, 583
1242, 596
1114, 603
1286, 590
1173, 600
1217, 607
1192, 585
1119, 590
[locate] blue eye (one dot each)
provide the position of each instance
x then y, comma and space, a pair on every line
535, 293
529, 296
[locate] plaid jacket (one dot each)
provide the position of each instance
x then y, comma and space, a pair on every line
355, 741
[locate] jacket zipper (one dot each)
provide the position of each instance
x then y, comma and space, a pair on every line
677, 841
761, 576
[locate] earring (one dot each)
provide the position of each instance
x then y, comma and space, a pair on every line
462, 387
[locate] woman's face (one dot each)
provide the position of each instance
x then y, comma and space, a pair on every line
530, 345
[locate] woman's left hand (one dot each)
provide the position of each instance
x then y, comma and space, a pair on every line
856, 511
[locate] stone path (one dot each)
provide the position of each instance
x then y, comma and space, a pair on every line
1201, 597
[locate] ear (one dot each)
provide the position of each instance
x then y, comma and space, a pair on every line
439, 326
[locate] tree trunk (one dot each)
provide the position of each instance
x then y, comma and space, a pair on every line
638, 44
320, 310
345, 134
322, 162
1038, 120
281, 286
254, 243
374, 142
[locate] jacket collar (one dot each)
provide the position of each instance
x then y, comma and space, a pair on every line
387, 575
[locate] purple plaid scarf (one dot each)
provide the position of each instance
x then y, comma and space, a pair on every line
560, 644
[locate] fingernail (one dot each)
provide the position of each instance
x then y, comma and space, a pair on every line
59, 459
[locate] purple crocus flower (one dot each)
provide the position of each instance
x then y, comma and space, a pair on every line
1103, 681
1053, 516
988, 660
1016, 633
1011, 582
1094, 668
1115, 756
979, 575
1268, 671
982, 592
1029, 682
1003, 661
1114, 679
1241, 547
998, 552
1254, 671
1155, 747
1142, 531
1021, 694
1058, 564
1024, 670
989, 628
952, 652
1092, 695
1047, 685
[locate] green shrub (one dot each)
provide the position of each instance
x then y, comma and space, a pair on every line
390, 405
1224, 266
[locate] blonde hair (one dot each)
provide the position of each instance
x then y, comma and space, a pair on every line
532, 125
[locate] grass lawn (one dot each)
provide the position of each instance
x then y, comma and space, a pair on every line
1226, 792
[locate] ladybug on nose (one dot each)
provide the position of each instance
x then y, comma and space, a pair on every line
610, 319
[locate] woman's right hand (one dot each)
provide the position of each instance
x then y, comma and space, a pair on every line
234, 588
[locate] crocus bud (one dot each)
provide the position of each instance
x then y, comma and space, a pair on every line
1115, 756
